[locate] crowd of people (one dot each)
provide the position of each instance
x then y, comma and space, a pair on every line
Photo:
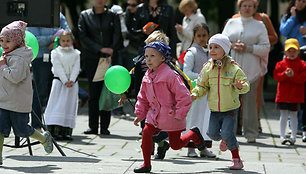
229, 69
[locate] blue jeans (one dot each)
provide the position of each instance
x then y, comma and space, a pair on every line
221, 126
18, 121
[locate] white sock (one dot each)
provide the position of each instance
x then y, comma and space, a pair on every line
283, 122
293, 123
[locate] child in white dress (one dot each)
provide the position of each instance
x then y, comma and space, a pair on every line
196, 56
62, 105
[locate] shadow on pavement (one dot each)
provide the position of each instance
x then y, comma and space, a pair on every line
35, 169
55, 159
112, 136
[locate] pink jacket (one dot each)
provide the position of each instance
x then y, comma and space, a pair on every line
163, 96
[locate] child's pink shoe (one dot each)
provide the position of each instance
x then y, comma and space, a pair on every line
237, 164
223, 146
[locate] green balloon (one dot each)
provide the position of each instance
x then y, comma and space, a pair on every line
194, 83
1, 51
117, 79
32, 42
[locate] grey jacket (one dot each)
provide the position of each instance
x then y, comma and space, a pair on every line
15, 81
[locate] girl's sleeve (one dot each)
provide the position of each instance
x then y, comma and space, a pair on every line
287, 25
58, 68
202, 86
299, 77
76, 67
16, 72
279, 73
182, 97
188, 65
142, 105
241, 77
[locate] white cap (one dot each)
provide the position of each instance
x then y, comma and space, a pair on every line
221, 40
117, 9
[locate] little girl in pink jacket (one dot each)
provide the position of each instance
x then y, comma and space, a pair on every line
164, 101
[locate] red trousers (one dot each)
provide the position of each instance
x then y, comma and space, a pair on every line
175, 139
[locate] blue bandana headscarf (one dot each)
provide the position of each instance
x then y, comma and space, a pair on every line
163, 48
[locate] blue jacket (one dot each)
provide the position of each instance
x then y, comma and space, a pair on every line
290, 28
44, 35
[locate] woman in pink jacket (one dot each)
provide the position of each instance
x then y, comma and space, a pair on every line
164, 101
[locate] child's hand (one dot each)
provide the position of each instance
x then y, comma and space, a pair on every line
193, 97
179, 28
238, 84
136, 121
2, 61
122, 99
289, 72
69, 84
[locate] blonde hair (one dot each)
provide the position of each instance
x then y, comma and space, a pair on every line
239, 2
67, 33
212, 63
188, 4
157, 36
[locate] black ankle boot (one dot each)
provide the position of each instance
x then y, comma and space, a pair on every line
200, 146
161, 151
142, 169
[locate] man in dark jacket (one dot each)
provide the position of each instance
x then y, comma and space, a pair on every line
100, 36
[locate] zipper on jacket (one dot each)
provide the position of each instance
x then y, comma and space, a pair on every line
219, 67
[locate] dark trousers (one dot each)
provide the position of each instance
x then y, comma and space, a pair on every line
42, 81
93, 108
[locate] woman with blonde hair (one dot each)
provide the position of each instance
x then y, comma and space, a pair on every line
192, 17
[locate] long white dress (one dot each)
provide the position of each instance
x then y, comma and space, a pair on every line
62, 105
199, 113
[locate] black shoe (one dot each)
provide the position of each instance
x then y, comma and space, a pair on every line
91, 131
200, 146
161, 151
68, 137
105, 132
142, 169
304, 139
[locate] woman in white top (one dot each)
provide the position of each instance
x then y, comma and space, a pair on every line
192, 17
250, 49
61, 110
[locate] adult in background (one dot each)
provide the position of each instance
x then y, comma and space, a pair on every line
131, 50
159, 12
100, 34
41, 67
273, 38
293, 24
250, 48
192, 17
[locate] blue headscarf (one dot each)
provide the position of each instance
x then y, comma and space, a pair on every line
163, 48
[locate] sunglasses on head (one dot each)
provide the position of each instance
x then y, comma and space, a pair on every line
132, 5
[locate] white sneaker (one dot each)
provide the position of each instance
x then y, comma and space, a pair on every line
283, 140
291, 141
207, 153
192, 153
